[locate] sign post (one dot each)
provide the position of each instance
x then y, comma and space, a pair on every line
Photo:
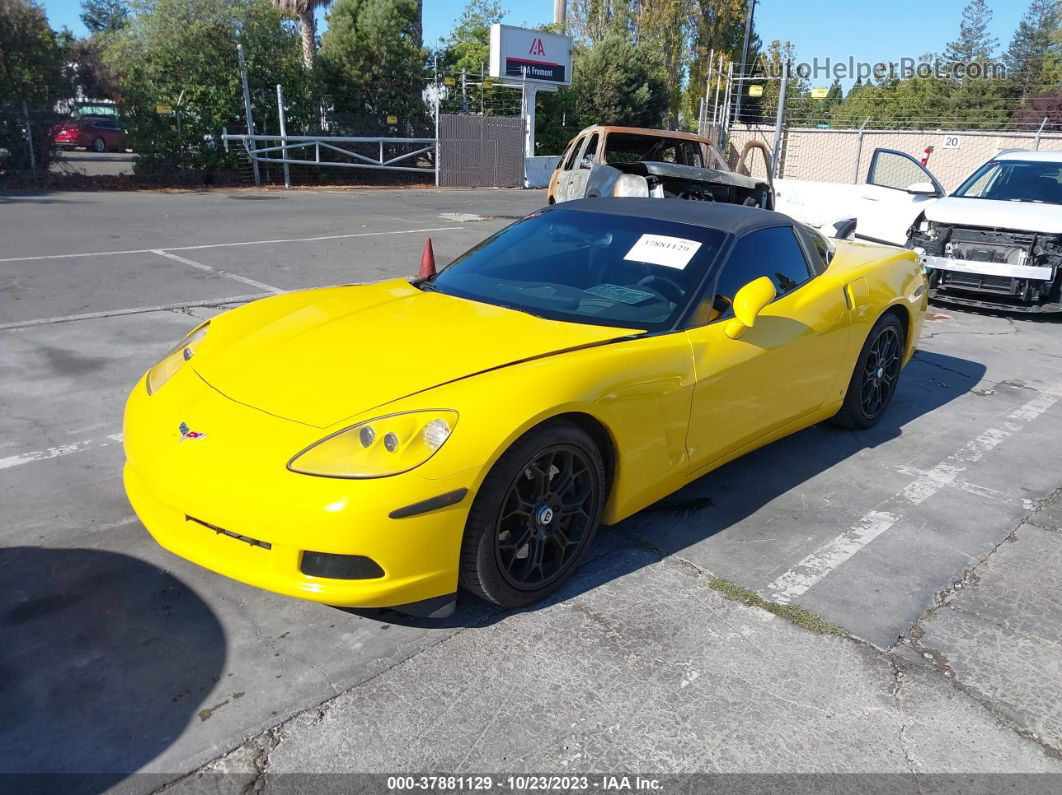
532, 61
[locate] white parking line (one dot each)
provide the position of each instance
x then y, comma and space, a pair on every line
226, 245
56, 452
217, 271
813, 568
137, 310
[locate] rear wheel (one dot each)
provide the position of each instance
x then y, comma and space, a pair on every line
99, 145
534, 516
876, 375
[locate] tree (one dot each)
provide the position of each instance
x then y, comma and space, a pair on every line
418, 23
620, 83
667, 27
468, 47
370, 60
975, 42
183, 53
1038, 108
719, 29
104, 16
589, 21
305, 11
87, 73
31, 58
1031, 46
31, 77
798, 107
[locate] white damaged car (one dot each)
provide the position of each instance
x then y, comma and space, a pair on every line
996, 242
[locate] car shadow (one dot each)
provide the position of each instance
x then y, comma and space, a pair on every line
104, 659
726, 496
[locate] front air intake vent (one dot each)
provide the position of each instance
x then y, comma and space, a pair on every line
340, 567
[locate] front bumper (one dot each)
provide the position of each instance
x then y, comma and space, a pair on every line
227, 502
991, 285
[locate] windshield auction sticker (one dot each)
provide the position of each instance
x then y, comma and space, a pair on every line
671, 252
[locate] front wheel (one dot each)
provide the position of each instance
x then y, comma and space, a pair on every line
534, 516
876, 375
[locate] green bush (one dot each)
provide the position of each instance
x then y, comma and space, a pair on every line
183, 53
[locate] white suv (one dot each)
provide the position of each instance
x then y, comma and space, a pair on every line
997, 240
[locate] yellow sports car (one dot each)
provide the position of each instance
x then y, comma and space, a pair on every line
380, 445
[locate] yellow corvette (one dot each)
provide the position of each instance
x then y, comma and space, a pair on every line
379, 445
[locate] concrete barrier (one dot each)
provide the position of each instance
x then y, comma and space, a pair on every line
537, 170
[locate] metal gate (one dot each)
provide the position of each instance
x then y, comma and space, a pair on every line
481, 151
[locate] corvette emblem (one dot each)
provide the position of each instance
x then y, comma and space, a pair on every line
188, 433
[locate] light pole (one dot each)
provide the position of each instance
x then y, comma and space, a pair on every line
745, 57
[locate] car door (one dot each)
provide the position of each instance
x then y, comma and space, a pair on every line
586, 160
897, 190
783, 368
563, 192
105, 129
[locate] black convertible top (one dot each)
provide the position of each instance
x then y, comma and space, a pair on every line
732, 218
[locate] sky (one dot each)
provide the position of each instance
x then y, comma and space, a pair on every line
868, 30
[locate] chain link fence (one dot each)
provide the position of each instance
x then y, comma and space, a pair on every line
28, 151
813, 143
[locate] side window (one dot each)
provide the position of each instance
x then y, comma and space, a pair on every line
590, 155
818, 248
569, 163
896, 170
564, 156
668, 153
774, 253
691, 154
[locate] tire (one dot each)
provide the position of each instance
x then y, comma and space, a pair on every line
877, 372
99, 145
522, 513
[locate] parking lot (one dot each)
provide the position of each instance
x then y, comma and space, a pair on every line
884, 601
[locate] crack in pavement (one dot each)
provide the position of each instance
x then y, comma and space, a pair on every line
905, 748
939, 662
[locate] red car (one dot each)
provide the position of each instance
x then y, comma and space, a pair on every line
98, 133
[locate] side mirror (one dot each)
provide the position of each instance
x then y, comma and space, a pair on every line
922, 189
748, 303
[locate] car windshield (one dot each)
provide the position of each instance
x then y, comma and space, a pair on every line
585, 267
1015, 180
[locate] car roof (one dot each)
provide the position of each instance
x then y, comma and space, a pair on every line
644, 131
1021, 154
731, 218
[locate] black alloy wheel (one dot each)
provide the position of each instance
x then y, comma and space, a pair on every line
881, 371
545, 516
534, 516
877, 373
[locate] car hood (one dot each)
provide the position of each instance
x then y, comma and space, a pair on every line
991, 214
321, 356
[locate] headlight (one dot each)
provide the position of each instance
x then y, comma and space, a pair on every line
377, 448
631, 185
172, 361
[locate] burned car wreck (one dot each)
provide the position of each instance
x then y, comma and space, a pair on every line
635, 162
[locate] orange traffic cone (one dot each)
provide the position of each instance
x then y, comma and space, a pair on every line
427, 260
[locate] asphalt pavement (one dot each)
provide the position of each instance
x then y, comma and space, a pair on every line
875, 602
